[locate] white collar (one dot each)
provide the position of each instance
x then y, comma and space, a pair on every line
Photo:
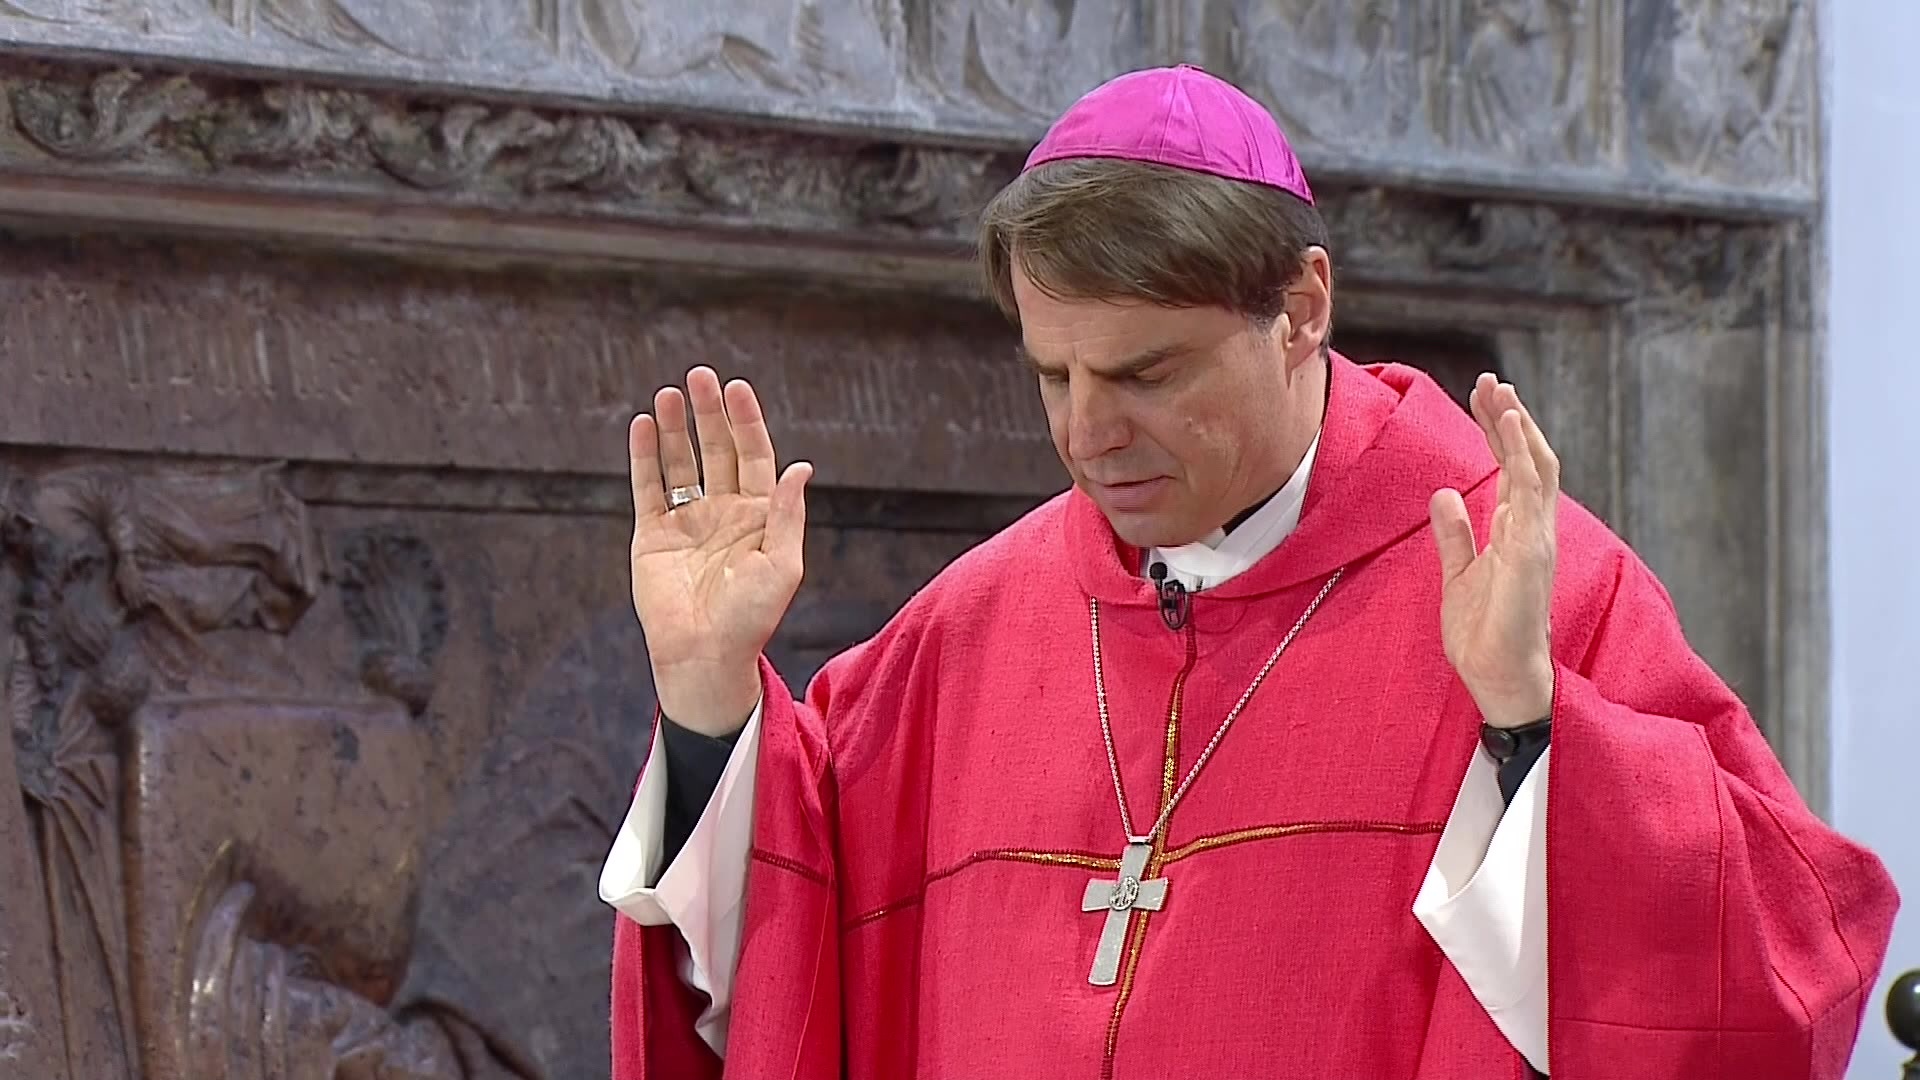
1220, 556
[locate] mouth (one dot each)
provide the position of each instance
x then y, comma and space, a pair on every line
1136, 495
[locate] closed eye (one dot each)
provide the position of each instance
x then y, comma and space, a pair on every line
1050, 376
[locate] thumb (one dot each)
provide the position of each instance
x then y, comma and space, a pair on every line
1452, 533
787, 519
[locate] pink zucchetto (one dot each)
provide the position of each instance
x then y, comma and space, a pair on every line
1180, 117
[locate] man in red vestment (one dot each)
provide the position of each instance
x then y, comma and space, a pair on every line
1293, 740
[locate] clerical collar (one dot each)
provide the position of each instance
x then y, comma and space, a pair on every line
1222, 555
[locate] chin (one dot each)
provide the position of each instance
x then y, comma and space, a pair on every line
1146, 531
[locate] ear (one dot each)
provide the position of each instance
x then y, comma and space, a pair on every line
1309, 309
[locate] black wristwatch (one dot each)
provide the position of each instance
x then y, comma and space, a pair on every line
1505, 744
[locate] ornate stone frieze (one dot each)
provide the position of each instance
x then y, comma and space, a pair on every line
1704, 272
312, 141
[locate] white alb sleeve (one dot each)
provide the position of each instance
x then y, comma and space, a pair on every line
1484, 900
703, 892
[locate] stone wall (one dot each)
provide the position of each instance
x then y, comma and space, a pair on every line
320, 322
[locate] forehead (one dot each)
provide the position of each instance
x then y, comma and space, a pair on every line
1099, 333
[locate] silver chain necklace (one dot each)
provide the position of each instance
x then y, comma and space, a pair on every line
1118, 898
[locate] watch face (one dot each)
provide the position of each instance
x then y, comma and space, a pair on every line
1499, 742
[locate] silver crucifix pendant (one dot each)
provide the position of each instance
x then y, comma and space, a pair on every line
1120, 899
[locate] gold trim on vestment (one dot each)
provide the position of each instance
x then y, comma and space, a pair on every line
1049, 858
1273, 832
1081, 860
1199, 846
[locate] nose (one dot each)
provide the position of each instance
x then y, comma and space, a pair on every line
1096, 426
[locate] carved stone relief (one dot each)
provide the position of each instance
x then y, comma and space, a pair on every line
512, 936
791, 47
1446, 82
1514, 94
128, 578
228, 841
400, 29
313, 793
1536, 82
512, 933
769, 53
33, 1040
134, 15
310, 139
1022, 61
1339, 76
1726, 93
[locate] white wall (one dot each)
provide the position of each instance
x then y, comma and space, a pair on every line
1872, 103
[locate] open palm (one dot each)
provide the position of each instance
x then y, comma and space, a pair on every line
1496, 603
712, 577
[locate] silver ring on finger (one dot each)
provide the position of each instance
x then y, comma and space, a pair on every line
681, 496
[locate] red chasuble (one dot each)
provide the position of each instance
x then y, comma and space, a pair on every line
927, 822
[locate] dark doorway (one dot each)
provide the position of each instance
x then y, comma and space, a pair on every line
1453, 359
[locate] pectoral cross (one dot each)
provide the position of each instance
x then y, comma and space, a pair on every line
1119, 899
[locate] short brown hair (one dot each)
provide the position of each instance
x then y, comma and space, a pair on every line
1107, 228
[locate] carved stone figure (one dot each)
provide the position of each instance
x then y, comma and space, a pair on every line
413, 30
32, 1025
206, 823
297, 898
123, 576
134, 14
1728, 94
1343, 74
790, 46
1021, 59
1525, 77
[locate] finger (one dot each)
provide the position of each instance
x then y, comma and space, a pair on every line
1480, 404
1545, 461
1483, 403
677, 465
752, 444
643, 467
1452, 533
717, 464
786, 531
1525, 496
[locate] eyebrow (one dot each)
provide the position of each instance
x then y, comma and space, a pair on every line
1133, 365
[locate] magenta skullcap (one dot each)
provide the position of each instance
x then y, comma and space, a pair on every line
1181, 117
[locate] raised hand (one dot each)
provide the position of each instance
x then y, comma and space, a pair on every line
712, 574
1496, 603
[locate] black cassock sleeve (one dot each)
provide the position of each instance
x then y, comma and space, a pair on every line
694, 765
1513, 770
